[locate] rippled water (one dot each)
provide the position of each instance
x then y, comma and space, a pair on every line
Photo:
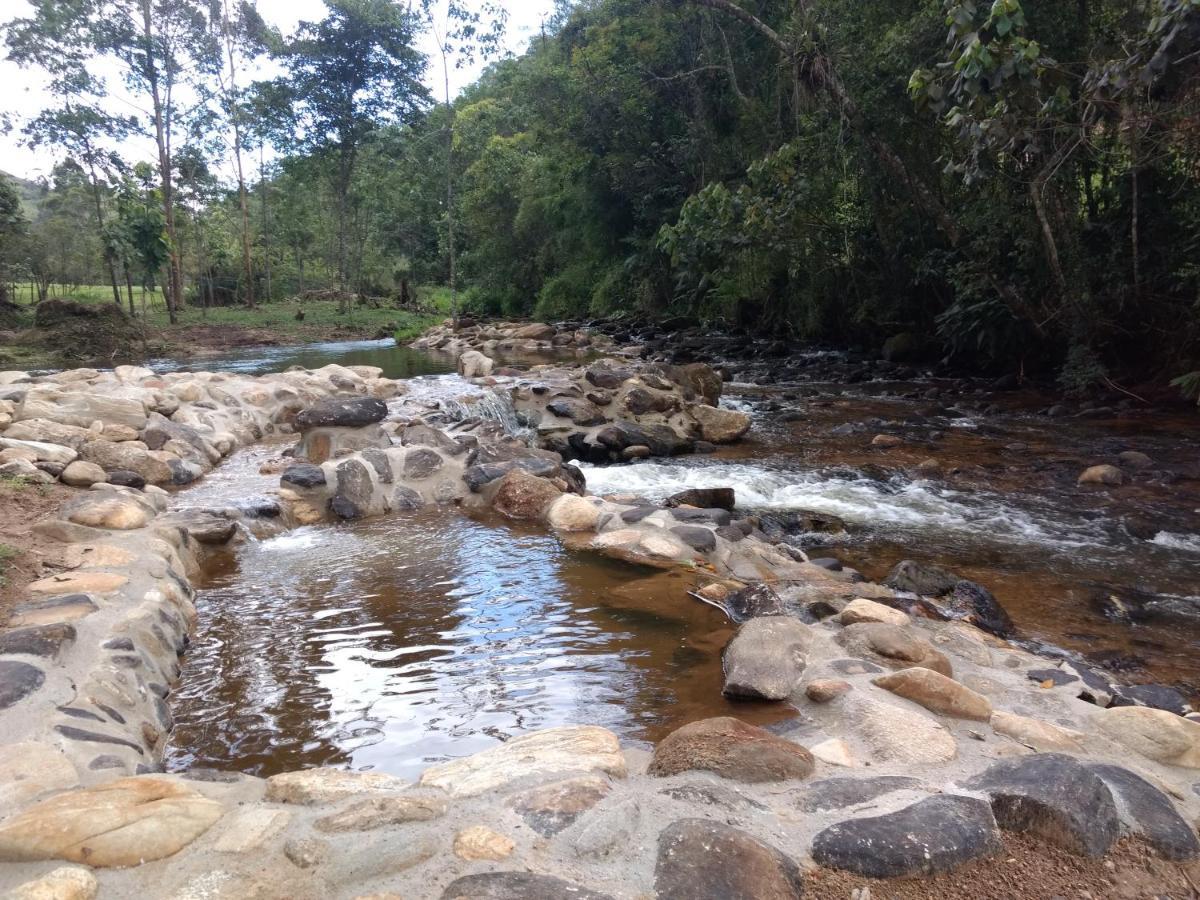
391, 643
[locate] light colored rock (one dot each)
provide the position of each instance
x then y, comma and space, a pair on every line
1041, 736
480, 842
766, 658
64, 883
570, 512
473, 364
120, 433
568, 749
377, 812
119, 823
835, 752
250, 828
822, 690
1106, 474
720, 426
886, 441
132, 373
24, 470
116, 511
79, 583
109, 455
45, 452
83, 474
608, 830
78, 556
309, 787
1155, 733
863, 610
82, 409
524, 497
895, 734
937, 693
28, 770
12, 454
46, 432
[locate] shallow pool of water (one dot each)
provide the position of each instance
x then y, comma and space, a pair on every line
392, 643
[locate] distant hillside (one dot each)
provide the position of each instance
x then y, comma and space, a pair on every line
31, 193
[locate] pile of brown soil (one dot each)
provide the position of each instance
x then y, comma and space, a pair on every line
1031, 869
24, 555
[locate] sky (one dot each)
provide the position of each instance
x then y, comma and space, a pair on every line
24, 94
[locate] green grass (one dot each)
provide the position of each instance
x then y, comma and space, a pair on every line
278, 316
6, 553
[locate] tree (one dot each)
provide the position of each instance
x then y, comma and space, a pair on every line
347, 74
13, 233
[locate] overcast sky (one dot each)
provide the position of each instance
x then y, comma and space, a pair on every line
23, 94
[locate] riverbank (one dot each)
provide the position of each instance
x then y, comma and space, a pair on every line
916, 735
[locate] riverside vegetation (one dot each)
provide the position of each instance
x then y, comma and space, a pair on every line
1008, 185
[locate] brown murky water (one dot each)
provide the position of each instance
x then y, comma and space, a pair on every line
396, 642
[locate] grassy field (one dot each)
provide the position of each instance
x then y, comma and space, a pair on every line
281, 317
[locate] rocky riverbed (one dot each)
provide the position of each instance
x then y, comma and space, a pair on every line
921, 740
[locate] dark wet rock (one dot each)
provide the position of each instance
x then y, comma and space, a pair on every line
259, 507
607, 377
731, 533
355, 490
766, 658
703, 860
1055, 797
799, 522
1155, 696
753, 601
640, 401
704, 498
1057, 676
918, 578
827, 563
405, 499
342, 413
581, 412
126, 478
708, 516
421, 463
551, 808
42, 640
661, 440
839, 793
934, 835
517, 886
696, 537
711, 794
106, 761
208, 526
17, 681
974, 602
82, 734
304, 475
160, 430
378, 460
635, 514
732, 749
1150, 813
422, 435
477, 477
1139, 607
818, 611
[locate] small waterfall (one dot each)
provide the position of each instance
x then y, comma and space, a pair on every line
492, 407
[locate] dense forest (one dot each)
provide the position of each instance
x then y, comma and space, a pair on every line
1013, 186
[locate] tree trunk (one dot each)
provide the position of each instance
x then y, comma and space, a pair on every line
266, 227
235, 117
173, 284
109, 260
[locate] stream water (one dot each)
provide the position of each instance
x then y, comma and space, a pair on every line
391, 643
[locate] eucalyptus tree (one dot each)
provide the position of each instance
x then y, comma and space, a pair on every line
347, 75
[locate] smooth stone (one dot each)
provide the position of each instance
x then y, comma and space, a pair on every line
120, 823
311, 787
700, 539
377, 812
609, 829
1155, 696
705, 498
937, 834
732, 749
863, 610
936, 693
1054, 797
918, 578
517, 886
119, 513
1154, 733
79, 582
83, 474
766, 658
839, 793
479, 842
51, 612
304, 475
895, 734
570, 512
1150, 813
524, 497
342, 413
720, 426
250, 828
711, 793
893, 646
17, 681
1103, 474
561, 751
824, 690
63, 883
703, 860
29, 769
754, 601
551, 808
835, 752
1036, 734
